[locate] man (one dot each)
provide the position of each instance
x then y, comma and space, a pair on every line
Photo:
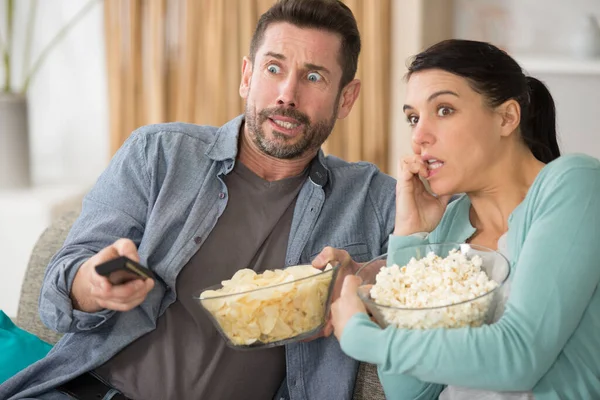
197, 203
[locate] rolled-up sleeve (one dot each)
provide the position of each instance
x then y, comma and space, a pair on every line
116, 207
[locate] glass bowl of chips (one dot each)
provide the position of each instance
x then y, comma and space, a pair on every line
257, 310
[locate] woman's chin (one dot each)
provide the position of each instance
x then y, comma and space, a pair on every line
441, 190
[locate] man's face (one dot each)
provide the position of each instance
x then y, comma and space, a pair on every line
292, 90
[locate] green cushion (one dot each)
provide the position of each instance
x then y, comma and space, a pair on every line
18, 348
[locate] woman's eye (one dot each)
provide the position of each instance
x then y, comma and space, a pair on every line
412, 120
444, 111
274, 69
314, 77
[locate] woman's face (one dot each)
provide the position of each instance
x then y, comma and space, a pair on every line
453, 130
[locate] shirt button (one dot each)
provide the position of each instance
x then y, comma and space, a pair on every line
221, 195
197, 240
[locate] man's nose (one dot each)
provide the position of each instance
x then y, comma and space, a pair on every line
288, 92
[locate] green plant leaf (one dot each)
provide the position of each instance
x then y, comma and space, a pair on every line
55, 40
30, 28
10, 16
2, 48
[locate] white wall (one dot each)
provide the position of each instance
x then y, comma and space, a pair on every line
541, 28
416, 24
69, 125
406, 41
523, 26
68, 97
577, 99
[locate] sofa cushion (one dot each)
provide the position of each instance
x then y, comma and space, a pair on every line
47, 245
367, 385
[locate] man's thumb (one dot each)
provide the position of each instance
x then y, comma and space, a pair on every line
126, 247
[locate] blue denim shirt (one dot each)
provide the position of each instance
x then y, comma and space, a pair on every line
164, 190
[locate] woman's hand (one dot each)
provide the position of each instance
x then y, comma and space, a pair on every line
347, 305
417, 210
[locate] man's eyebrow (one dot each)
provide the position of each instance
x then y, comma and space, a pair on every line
430, 98
278, 56
309, 66
314, 67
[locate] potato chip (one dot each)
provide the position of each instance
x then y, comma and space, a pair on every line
271, 306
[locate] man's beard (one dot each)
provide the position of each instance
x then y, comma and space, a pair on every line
280, 146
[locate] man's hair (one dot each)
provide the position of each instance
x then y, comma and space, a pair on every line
329, 15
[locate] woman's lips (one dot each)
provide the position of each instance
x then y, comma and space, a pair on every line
433, 167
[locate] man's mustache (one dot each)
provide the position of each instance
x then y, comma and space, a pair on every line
285, 112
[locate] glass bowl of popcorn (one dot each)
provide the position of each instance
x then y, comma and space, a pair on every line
258, 310
443, 285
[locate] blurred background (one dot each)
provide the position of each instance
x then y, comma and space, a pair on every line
83, 74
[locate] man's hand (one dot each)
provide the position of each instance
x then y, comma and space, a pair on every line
92, 292
347, 267
347, 305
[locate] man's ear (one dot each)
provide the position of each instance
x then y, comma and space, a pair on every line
510, 114
246, 77
348, 97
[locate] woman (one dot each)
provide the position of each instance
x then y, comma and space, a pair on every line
480, 127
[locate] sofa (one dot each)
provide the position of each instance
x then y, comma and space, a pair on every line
367, 383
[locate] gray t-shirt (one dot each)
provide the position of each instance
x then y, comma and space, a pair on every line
185, 357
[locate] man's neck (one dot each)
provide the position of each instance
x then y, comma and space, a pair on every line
267, 167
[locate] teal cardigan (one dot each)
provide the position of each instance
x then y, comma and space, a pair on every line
548, 339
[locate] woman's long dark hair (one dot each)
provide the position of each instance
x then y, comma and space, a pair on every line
498, 77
